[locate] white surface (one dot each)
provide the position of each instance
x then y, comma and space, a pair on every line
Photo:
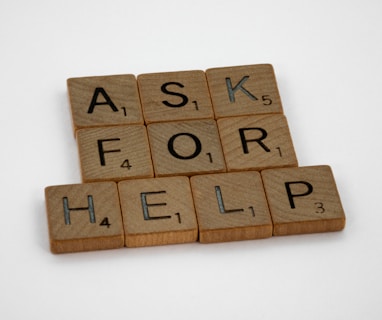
327, 58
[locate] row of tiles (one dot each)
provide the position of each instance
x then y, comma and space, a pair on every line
185, 148
170, 96
209, 208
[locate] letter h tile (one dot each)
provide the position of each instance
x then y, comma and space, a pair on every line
84, 217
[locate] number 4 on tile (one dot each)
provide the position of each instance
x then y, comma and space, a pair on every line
105, 222
126, 164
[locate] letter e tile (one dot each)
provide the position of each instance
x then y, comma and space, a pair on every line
231, 206
84, 217
157, 211
303, 200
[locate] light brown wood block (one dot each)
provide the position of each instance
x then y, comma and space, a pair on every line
158, 211
83, 217
231, 206
256, 142
185, 148
303, 200
170, 96
244, 90
114, 153
104, 101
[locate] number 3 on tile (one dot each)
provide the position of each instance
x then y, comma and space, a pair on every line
319, 207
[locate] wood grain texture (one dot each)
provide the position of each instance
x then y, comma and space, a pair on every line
114, 153
231, 206
303, 200
104, 101
158, 211
185, 148
256, 142
244, 90
170, 96
79, 223
205, 137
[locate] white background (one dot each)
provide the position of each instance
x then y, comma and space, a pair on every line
327, 57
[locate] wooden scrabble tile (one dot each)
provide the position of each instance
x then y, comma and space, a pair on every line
173, 96
114, 153
303, 200
185, 147
104, 101
83, 217
244, 90
256, 142
158, 211
231, 206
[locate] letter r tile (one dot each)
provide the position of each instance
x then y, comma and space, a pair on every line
244, 90
303, 200
104, 101
157, 211
231, 206
114, 153
84, 217
256, 142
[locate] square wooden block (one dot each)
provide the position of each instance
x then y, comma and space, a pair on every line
170, 96
114, 153
104, 101
303, 200
244, 90
83, 217
158, 211
231, 206
185, 148
256, 142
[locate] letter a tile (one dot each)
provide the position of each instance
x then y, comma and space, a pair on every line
231, 206
84, 217
104, 101
303, 200
244, 90
158, 211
